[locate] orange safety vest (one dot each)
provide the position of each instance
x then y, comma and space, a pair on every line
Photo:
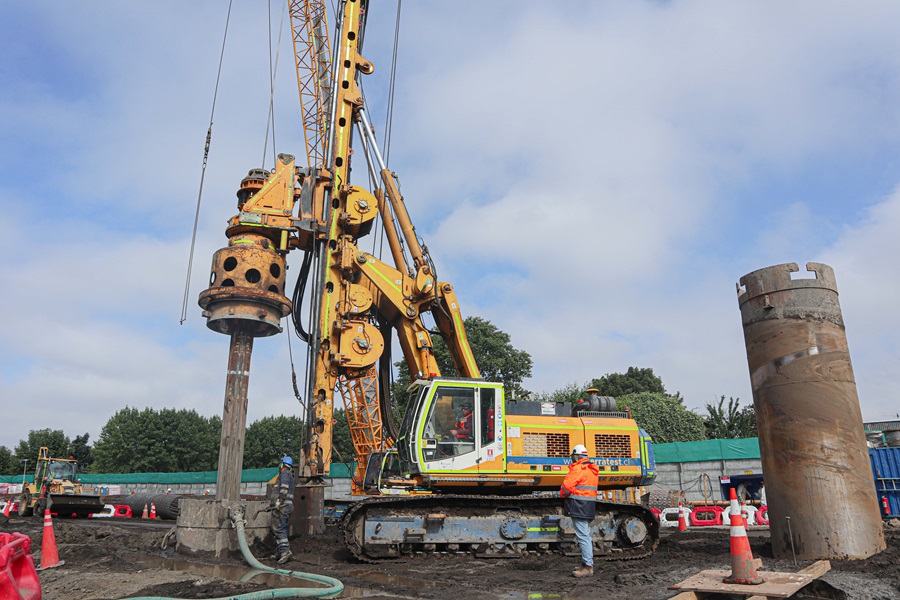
579, 488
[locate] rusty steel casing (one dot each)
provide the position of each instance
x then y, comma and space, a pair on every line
813, 448
246, 288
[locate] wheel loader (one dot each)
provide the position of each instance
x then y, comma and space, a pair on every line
55, 486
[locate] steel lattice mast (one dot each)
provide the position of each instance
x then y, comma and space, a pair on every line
312, 54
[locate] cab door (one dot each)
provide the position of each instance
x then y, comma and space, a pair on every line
491, 457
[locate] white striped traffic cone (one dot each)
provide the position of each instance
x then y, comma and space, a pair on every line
743, 570
49, 552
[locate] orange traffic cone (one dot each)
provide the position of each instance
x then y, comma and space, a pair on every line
49, 553
743, 570
744, 516
6, 508
152, 510
144, 514
682, 523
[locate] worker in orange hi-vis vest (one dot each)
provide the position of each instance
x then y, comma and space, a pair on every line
579, 488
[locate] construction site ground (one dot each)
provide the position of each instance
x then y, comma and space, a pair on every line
109, 559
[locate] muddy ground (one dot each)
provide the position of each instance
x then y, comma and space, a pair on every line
111, 560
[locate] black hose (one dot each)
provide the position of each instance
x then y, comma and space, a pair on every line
297, 297
384, 380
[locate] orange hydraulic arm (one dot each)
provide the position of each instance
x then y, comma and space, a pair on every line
355, 295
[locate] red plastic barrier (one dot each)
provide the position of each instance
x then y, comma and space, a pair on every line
703, 516
18, 577
123, 510
762, 515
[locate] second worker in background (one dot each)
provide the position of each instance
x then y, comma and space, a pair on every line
283, 507
579, 488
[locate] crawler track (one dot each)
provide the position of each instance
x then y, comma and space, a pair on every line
384, 528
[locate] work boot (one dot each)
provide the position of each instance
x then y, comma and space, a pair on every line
287, 556
584, 571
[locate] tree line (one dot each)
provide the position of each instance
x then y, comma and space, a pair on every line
168, 440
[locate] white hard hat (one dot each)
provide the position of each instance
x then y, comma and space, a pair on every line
580, 450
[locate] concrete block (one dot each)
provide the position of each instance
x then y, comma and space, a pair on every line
204, 526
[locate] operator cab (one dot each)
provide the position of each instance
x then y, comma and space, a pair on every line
452, 425
60, 469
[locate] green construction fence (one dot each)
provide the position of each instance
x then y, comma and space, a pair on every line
338, 470
682, 452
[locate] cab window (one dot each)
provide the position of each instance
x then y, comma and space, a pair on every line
451, 425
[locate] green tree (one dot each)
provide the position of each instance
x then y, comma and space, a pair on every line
571, 392
634, 381
494, 354
665, 418
271, 438
8, 464
723, 422
81, 450
168, 440
54, 439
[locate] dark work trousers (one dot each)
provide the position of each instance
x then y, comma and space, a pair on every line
280, 520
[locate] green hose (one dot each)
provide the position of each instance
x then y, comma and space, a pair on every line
335, 586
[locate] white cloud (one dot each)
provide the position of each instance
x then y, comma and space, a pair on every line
573, 168
864, 259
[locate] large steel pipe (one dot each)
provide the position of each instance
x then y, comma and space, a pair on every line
819, 483
167, 505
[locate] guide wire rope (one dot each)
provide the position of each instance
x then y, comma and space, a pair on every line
187, 282
270, 120
389, 116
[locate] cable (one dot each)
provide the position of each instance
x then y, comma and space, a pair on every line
294, 375
298, 295
270, 119
187, 282
389, 116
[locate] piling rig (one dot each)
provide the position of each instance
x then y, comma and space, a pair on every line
424, 487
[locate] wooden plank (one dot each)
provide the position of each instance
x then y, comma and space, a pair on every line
817, 569
776, 585
687, 596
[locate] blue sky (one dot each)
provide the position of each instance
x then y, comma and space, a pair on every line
592, 177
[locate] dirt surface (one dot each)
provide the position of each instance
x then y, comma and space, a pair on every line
110, 559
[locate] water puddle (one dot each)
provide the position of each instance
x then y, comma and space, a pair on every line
392, 580
245, 574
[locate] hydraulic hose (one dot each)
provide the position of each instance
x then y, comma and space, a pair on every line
334, 588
